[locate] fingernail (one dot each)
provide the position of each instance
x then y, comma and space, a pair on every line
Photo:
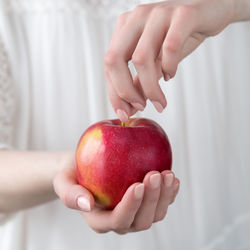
166, 77
122, 115
158, 106
155, 180
169, 180
83, 204
139, 191
138, 106
176, 185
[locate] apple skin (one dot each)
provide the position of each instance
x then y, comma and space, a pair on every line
111, 157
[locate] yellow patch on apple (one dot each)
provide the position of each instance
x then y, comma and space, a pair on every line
90, 144
102, 198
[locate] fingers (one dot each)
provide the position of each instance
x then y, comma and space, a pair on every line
142, 45
169, 190
121, 218
145, 215
176, 37
123, 109
119, 79
141, 205
71, 194
146, 53
150, 32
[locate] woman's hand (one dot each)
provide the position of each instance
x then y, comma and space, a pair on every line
156, 37
143, 203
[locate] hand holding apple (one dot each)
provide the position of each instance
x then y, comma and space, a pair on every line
143, 203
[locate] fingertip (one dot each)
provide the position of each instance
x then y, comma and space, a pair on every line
147, 176
85, 201
164, 172
77, 197
83, 204
139, 191
166, 76
122, 115
158, 106
152, 180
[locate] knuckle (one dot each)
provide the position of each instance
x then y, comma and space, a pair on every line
122, 18
141, 9
159, 10
172, 44
139, 57
110, 59
123, 94
185, 11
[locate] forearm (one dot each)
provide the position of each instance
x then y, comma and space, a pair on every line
242, 10
26, 177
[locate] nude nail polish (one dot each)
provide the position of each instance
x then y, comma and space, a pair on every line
139, 191
169, 178
158, 106
122, 115
83, 204
155, 180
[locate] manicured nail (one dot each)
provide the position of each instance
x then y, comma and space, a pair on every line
169, 178
158, 106
138, 106
155, 180
122, 115
83, 204
166, 77
139, 191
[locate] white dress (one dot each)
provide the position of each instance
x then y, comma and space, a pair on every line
54, 50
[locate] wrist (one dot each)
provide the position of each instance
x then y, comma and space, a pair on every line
241, 10
64, 160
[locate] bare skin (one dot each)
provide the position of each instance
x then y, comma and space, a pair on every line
31, 178
156, 37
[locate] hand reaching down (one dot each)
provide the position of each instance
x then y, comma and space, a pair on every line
156, 37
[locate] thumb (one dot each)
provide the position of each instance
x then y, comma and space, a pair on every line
71, 193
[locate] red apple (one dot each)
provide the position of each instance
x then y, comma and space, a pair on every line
111, 156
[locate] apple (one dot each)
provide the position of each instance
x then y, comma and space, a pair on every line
111, 156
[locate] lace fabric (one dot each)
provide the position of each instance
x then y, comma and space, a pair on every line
6, 99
